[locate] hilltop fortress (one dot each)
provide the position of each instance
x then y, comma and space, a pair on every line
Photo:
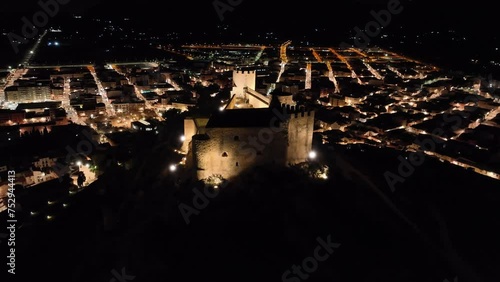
253, 129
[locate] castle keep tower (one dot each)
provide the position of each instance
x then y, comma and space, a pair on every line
243, 79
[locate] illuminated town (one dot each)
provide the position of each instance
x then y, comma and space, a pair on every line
360, 96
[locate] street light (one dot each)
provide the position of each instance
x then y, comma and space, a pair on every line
312, 155
173, 168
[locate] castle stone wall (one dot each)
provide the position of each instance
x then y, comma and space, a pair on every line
230, 151
300, 135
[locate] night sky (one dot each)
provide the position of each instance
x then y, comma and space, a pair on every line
472, 17
318, 22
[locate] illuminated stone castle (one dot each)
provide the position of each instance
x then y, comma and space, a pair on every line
243, 79
242, 135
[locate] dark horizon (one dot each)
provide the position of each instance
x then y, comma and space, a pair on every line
476, 18
312, 22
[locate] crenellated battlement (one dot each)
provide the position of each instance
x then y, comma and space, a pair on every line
295, 111
245, 71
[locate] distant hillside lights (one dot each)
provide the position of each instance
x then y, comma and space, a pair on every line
40, 19
373, 28
227, 6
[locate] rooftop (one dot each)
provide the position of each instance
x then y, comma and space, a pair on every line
241, 118
41, 105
